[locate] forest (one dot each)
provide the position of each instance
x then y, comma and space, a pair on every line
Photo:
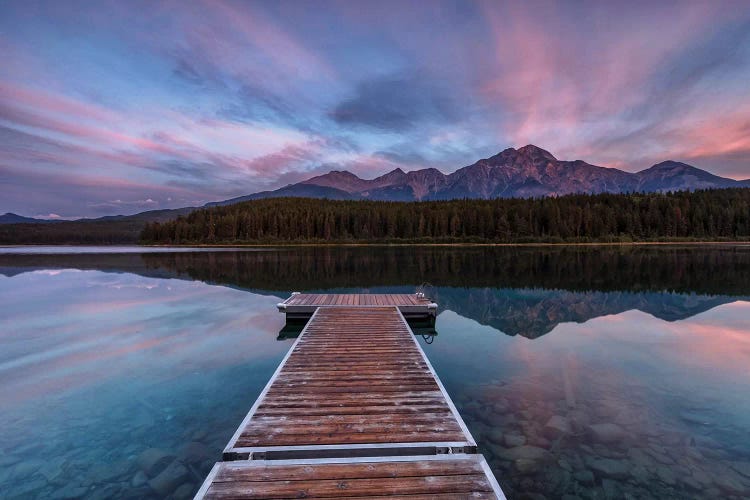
718, 214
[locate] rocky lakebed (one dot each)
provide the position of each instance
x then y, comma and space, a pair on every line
542, 445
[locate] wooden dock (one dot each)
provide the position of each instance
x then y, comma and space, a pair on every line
354, 410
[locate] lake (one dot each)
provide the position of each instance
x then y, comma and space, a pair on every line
594, 372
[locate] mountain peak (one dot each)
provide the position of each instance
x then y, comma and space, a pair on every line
11, 218
535, 151
396, 172
669, 164
671, 167
338, 179
339, 173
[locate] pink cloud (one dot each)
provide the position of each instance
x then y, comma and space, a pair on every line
566, 87
35, 99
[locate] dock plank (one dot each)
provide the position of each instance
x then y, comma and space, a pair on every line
461, 476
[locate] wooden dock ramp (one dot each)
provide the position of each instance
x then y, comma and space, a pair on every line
354, 410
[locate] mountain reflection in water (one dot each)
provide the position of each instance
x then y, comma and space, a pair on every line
523, 291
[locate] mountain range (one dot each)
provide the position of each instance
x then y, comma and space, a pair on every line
526, 172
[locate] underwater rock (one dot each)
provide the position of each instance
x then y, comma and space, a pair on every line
69, 492
666, 475
139, 479
691, 483
196, 452
701, 476
104, 493
104, 474
650, 430
169, 479
742, 467
26, 468
513, 440
696, 418
496, 436
525, 452
640, 474
555, 480
638, 457
472, 406
607, 432
525, 466
730, 483
611, 488
183, 492
200, 434
584, 477
556, 426
52, 470
500, 406
662, 458
539, 441
607, 467
694, 453
153, 460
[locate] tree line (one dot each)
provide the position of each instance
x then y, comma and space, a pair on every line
98, 232
718, 214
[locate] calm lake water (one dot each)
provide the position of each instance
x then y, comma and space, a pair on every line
597, 372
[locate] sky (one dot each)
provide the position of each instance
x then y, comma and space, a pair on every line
120, 107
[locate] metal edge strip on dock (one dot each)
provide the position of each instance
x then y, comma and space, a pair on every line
208, 481
357, 450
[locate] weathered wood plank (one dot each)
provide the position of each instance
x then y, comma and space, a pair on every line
350, 487
464, 476
237, 472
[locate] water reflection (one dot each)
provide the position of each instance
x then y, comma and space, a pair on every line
597, 373
519, 291
103, 374
623, 406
